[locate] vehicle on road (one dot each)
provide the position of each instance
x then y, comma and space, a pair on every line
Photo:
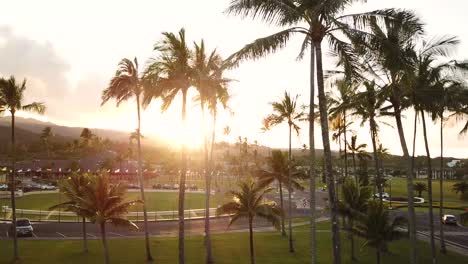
384, 195
449, 219
23, 227
47, 187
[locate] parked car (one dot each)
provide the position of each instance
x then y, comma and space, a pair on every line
132, 186
157, 186
175, 186
449, 219
166, 186
384, 195
23, 227
48, 187
3, 187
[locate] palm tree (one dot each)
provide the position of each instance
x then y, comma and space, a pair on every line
461, 188
320, 19
278, 162
46, 135
339, 105
86, 136
377, 229
11, 100
420, 187
286, 111
124, 85
249, 203
354, 202
73, 188
167, 75
207, 78
356, 150
367, 107
390, 49
425, 92
103, 202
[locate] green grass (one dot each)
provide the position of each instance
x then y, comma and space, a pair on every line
233, 248
399, 189
155, 201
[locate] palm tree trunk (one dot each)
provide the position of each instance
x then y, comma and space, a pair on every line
373, 131
291, 245
354, 169
141, 180
443, 248
378, 255
252, 253
283, 229
13, 187
209, 256
345, 145
85, 239
104, 242
351, 239
313, 238
183, 175
429, 191
409, 173
327, 153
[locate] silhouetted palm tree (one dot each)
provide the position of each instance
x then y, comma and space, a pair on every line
315, 20
278, 162
249, 203
354, 202
11, 100
168, 74
124, 85
73, 188
287, 111
377, 229
103, 203
46, 135
356, 150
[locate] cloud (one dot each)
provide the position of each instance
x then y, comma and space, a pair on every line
47, 78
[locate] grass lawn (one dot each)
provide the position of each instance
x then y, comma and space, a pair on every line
233, 248
155, 201
399, 189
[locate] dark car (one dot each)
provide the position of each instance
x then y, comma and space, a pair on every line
157, 186
23, 227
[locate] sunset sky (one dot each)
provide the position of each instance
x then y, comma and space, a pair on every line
69, 50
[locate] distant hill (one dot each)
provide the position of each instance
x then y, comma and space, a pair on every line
35, 126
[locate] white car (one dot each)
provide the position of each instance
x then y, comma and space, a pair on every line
449, 219
23, 227
48, 187
384, 195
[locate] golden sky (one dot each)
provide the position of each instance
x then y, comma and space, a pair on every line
69, 50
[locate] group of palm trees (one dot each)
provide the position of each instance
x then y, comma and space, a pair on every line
389, 62
386, 65
174, 69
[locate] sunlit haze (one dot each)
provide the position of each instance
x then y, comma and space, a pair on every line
69, 50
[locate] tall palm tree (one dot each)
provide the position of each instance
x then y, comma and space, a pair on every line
103, 202
207, 78
124, 85
340, 104
390, 49
46, 135
315, 20
278, 163
73, 188
288, 111
12, 100
377, 229
168, 74
355, 149
249, 203
367, 107
354, 202
425, 92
